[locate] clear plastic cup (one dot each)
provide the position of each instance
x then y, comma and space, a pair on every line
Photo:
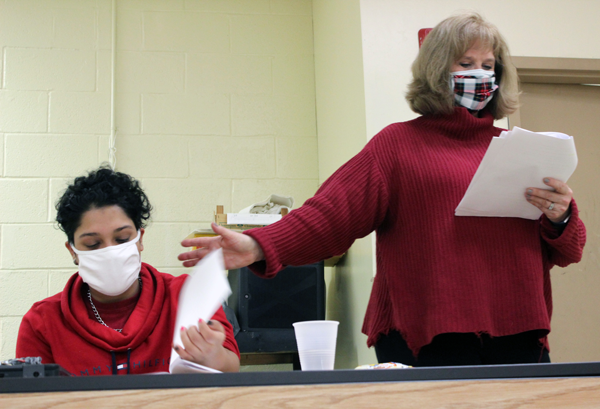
316, 344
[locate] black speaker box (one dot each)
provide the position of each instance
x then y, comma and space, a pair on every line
267, 308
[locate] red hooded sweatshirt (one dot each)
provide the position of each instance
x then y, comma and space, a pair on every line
60, 330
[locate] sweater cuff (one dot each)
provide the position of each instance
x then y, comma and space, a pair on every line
270, 266
552, 230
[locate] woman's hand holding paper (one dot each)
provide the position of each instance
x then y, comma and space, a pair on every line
556, 203
203, 344
239, 250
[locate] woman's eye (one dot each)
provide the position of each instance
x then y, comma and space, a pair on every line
92, 246
465, 64
121, 241
488, 67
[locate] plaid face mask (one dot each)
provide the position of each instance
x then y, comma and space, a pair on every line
473, 89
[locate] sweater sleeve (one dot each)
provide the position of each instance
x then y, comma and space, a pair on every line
349, 205
31, 342
564, 247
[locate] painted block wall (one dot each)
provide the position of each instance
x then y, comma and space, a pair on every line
214, 104
174, 83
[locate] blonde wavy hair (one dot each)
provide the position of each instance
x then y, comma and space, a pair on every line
429, 92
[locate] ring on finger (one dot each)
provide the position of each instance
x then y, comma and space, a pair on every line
551, 206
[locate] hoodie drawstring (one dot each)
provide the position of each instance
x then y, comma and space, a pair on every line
128, 357
114, 362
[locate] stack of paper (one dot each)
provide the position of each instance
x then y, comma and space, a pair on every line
181, 366
252, 218
515, 161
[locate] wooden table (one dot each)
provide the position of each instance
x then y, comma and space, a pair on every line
510, 386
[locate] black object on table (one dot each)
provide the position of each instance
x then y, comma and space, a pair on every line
266, 309
32, 371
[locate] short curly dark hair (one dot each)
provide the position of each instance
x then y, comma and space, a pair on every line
101, 187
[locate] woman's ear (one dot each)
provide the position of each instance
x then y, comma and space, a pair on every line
73, 255
140, 244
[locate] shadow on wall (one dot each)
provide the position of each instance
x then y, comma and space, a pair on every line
339, 309
348, 290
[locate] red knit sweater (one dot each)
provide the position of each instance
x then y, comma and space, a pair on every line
59, 330
436, 272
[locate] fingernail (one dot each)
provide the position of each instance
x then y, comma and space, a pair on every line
209, 322
528, 197
529, 191
182, 329
546, 180
176, 348
200, 320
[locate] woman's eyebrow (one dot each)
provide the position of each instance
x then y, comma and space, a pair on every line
117, 230
88, 234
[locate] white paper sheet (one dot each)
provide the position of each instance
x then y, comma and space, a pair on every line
181, 366
514, 161
201, 295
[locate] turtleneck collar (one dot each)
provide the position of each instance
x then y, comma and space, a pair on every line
459, 124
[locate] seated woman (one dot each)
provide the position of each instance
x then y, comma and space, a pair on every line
117, 314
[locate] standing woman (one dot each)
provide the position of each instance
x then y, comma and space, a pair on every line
449, 290
117, 314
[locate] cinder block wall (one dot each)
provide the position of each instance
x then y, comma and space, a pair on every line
214, 104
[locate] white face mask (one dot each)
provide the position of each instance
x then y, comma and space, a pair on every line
110, 270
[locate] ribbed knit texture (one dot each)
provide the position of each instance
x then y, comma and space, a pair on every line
436, 272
